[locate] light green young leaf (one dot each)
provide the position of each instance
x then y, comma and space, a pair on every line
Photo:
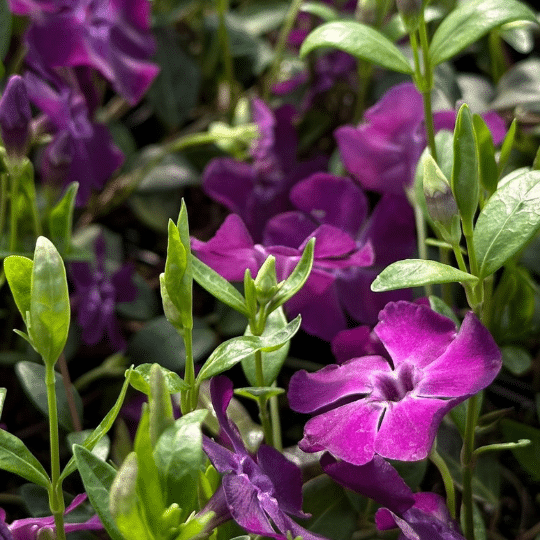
16, 458
2, 399
507, 222
97, 477
61, 219
18, 272
489, 175
50, 310
324, 11
175, 266
140, 379
416, 273
470, 21
361, 41
159, 406
506, 147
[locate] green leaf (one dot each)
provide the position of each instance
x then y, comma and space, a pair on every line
32, 378
104, 426
527, 456
179, 458
324, 11
507, 222
489, 175
271, 361
234, 350
506, 147
359, 40
470, 21
417, 272
61, 219
217, 286
465, 181
17, 459
97, 477
101, 448
50, 310
175, 265
255, 392
296, 279
3, 392
160, 412
140, 379
517, 360
18, 272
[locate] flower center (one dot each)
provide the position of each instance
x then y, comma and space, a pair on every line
396, 385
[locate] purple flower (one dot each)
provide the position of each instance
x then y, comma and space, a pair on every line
15, 116
31, 528
325, 199
260, 493
81, 150
418, 515
232, 250
367, 406
96, 295
260, 190
382, 152
111, 36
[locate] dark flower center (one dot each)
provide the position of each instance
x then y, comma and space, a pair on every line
396, 385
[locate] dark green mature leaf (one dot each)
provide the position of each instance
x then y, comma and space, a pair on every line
470, 21
517, 360
359, 40
97, 477
217, 286
16, 458
61, 219
18, 272
507, 222
527, 456
32, 378
418, 272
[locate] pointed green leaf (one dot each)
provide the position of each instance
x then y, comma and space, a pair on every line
416, 273
17, 459
324, 11
489, 175
140, 379
159, 406
507, 222
217, 286
97, 477
61, 219
50, 309
19, 276
361, 41
506, 147
470, 21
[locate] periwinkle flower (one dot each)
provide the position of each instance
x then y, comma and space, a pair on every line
111, 36
96, 294
259, 492
382, 152
259, 190
367, 406
15, 117
33, 528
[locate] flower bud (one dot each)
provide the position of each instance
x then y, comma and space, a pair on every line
410, 11
266, 285
15, 117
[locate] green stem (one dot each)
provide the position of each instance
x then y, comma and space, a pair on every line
421, 235
467, 464
189, 373
281, 44
13, 197
439, 462
56, 497
276, 422
263, 402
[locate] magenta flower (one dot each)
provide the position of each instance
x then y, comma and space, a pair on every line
33, 528
259, 190
382, 152
260, 493
111, 36
367, 406
96, 294
418, 515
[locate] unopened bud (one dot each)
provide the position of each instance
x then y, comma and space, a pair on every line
440, 201
410, 11
266, 285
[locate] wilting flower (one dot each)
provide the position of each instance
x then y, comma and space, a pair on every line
259, 190
15, 116
260, 493
96, 294
382, 152
367, 406
418, 515
113, 37
31, 528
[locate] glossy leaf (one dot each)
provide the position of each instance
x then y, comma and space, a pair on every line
230, 352
50, 310
61, 219
104, 426
18, 272
101, 448
97, 477
418, 272
361, 41
17, 459
179, 458
507, 222
489, 174
140, 379
465, 181
217, 286
470, 21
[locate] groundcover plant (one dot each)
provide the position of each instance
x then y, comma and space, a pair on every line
269, 269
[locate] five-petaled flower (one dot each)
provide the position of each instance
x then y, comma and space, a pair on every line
367, 406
